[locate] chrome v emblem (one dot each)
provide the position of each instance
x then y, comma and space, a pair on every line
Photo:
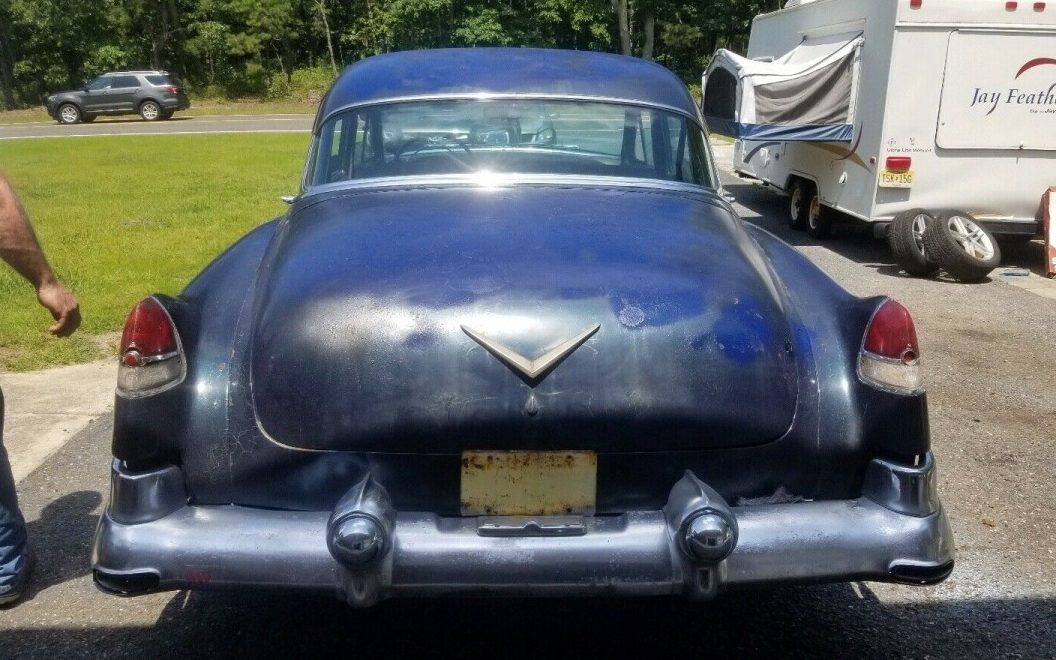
532, 369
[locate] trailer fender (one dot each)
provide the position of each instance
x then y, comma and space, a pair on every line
796, 174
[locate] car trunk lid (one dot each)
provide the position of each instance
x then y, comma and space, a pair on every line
373, 331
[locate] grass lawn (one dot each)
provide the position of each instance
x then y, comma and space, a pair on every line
126, 216
198, 108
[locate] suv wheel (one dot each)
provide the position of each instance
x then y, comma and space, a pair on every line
906, 239
69, 114
964, 248
149, 110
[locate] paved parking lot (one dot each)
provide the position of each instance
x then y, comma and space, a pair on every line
991, 372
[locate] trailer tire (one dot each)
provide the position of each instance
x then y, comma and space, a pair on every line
799, 203
964, 248
819, 225
905, 237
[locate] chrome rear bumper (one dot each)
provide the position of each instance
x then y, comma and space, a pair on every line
150, 539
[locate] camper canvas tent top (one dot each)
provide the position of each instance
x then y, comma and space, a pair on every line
954, 119
807, 94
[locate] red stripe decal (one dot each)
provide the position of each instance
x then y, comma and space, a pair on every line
1033, 63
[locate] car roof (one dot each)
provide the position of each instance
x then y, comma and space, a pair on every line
471, 72
125, 73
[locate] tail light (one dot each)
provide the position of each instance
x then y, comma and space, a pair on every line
898, 163
152, 359
172, 90
890, 355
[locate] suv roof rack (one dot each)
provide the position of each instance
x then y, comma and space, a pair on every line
149, 71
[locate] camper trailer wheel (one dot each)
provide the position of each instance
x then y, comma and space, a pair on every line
818, 224
906, 238
798, 203
962, 246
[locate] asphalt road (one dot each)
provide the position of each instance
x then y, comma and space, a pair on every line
180, 123
991, 373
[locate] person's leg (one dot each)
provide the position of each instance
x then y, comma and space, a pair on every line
12, 526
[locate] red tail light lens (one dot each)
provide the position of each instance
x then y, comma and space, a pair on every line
891, 333
898, 163
148, 332
172, 90
151, 354
890, 356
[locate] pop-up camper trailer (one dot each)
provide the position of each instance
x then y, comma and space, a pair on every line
808, 94
904, 113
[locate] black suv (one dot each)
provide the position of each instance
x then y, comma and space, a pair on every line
151, 94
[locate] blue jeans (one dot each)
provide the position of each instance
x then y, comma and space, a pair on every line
12, 526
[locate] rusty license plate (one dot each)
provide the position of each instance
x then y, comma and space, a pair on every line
528, 483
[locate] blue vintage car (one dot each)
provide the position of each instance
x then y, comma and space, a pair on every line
510, 338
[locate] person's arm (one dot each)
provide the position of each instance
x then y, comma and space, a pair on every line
19, 247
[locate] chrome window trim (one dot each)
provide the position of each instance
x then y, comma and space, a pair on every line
500, 180
695, 116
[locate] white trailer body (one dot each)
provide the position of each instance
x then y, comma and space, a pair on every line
965, 89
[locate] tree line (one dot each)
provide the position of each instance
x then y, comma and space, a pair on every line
276, 48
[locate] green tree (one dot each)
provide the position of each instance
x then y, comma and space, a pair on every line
263, 28
243, 46
107, 58
209, 42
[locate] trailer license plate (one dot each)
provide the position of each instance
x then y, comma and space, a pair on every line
528, 483
896, 179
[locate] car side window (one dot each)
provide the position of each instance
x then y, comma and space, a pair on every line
337, 165
102, 82
337, 131
645, 141
597, 129
637, 148
676, 136
363, 149
124, 82
352, 149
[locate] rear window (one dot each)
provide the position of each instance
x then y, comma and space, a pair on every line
510, 136
160, 80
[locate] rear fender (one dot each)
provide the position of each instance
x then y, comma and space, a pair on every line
856, 422
151, 431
